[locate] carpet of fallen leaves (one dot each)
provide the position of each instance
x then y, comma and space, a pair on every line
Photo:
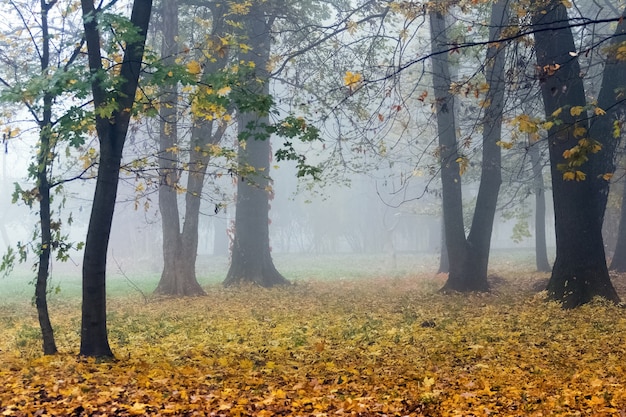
371, 347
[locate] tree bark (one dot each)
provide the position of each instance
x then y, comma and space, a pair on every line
178, 276
112, 135
469, 257
180, 248
43, 185
251, 254
454, 228
618, 263
579, 272
541, 250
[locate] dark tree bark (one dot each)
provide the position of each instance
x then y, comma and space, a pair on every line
541, 250
579, 272
469, 257
112, 136
180, 247
43, 164
611, 99
251, 254
454, 228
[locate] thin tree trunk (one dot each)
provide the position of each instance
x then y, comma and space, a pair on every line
541, 250
579, 272
43, 164
618, 263
251, 256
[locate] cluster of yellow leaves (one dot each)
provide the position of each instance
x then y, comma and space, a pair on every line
385, 347
352, 80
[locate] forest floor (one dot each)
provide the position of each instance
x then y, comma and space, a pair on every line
373, 346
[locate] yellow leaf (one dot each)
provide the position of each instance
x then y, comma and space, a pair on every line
194, 68
599, 112
547, 125
607, 176
576, 110
463, 164
223, 91
504, 145
569, 176
579, 131
352, 78
557, 112
580, 176
138, 409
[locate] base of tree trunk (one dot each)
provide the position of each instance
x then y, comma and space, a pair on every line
574, 286
179, 284
266, 276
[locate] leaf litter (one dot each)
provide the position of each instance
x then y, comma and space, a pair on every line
369, 347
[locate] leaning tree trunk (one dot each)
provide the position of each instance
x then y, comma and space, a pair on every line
541, 250
579, 272
112, 135
251, 254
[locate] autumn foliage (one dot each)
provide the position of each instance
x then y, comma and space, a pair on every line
369, 347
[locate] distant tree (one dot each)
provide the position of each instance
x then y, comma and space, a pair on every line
180, 246
251, 254
469, 256
113, 99
580, 158
541, 250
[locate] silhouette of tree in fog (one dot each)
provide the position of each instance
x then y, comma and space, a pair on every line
469, 257
581, 157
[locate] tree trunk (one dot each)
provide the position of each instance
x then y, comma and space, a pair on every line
618, 263
444, 261
456, 243
251, 255
611, 100
541, 250
579, 272
112, 135
43, 185
469, 257
178, 276
180, 248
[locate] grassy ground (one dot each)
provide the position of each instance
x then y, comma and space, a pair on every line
351, 337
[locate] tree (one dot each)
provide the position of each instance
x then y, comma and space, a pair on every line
251, 254
113, 102
180, 246
579, 272
469, 257
541, 251
40, 92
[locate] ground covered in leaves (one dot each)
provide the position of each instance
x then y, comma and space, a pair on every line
369, 347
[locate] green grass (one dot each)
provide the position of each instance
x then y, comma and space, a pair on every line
134, 280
